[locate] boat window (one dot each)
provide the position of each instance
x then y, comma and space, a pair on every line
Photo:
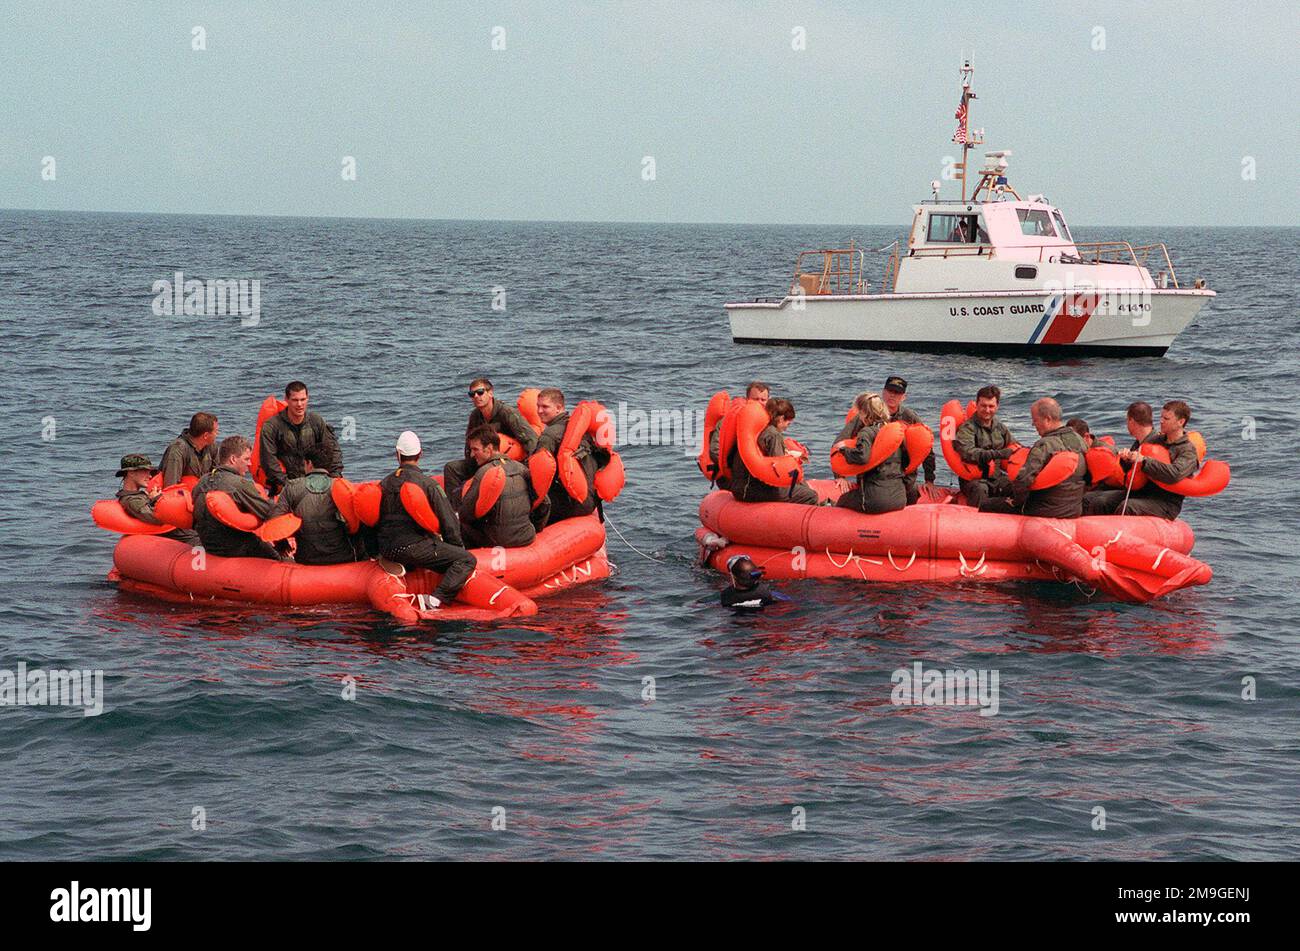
1026, 271
1037, 224
955, 229
1060, 226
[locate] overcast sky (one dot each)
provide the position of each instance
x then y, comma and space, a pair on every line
1153, 129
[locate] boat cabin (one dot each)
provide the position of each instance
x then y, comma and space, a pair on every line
992, 241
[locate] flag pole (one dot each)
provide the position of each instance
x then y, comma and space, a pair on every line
966, 70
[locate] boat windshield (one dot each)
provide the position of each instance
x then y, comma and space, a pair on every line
1060, 226
1036, 224
955, 229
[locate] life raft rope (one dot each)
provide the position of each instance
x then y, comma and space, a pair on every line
967, 570
630, 545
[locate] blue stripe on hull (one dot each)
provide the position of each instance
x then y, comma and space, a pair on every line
1048, 314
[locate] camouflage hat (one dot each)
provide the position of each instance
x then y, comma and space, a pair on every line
136, 461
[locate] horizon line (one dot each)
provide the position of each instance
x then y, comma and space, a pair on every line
558, 221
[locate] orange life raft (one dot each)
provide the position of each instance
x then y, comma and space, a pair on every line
505, 584
1133, 558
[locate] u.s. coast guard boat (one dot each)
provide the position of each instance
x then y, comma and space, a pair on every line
992, 272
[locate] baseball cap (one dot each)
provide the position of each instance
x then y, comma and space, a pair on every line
897, 384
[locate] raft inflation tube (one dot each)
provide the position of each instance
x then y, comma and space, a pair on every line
1131, 558
506, 583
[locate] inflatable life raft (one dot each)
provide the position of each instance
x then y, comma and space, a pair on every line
1132, 558
506, 583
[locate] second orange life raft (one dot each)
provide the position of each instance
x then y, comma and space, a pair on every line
1132, 558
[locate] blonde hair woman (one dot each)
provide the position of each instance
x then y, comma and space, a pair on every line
871, 408
879, 489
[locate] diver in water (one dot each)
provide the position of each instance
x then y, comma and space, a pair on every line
746, 590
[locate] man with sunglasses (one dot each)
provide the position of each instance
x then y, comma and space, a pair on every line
501, 418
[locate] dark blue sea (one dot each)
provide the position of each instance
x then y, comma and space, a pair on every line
225, 733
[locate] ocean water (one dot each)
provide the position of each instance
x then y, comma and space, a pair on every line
757, 724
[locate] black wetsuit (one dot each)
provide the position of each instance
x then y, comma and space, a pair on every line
759, 596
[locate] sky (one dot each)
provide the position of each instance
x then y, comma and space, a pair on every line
1121, 113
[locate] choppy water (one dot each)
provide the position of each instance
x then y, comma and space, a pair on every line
1133, 708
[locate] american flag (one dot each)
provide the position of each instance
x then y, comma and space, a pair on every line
960, 135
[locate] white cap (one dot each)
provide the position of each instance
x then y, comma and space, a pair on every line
408, 444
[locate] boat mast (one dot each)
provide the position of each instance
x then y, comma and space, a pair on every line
970, 138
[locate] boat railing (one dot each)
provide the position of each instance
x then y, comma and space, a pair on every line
1121, 252
954, 251
890, 283
829, 271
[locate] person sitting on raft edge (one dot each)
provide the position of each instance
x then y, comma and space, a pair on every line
771, 442
323, 538
514, 519
893, 394
759, 392
882, 488
501, 418
289, 434
1063, 500
1152, 499
137, 501
193, 452
404, 540
234, 459
983, 441
747, 591
555, 419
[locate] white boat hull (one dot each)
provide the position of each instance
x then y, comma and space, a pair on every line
1118, 322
